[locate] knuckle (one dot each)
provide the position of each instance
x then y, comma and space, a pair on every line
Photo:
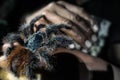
75, 18
80, 10
67, 22
44, 12
51, 5
83, 37
89, 31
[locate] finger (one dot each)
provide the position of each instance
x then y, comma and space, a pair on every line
41, 24
81, 39
71, 16
42, 20
77, 10
56, 19
30, 17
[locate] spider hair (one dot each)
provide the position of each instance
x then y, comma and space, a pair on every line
22, 62
13, 37
27, 29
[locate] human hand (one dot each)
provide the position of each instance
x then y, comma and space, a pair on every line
83, 25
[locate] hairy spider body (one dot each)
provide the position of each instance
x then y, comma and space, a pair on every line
23, 62
19, 61
37, 38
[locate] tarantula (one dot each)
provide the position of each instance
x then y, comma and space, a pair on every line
29, 52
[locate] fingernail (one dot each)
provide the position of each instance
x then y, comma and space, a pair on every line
94, 38
84, 50
77, 46
95, 28
71, 46
88, 44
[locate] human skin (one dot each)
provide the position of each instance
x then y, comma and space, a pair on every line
83, 25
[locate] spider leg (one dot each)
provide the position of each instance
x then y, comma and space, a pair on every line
35, 19
54, 28
63, 41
